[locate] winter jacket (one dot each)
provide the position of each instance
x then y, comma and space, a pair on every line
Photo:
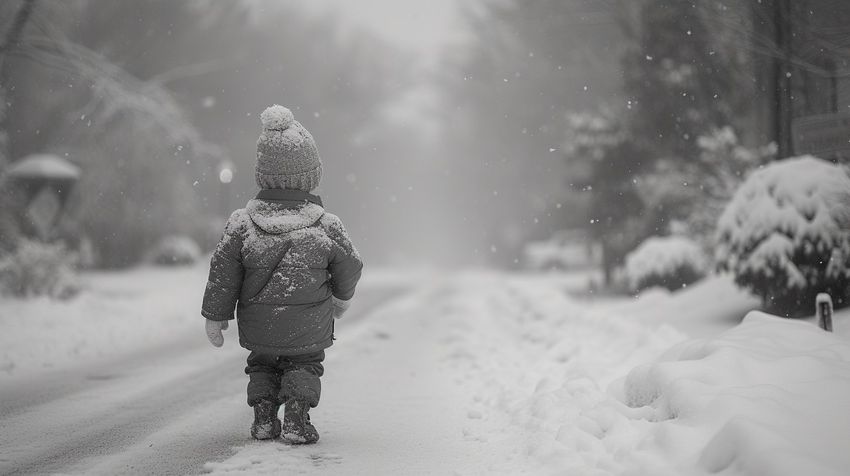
280, 261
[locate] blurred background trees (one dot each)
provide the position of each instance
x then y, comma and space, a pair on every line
152, 113
527, 65
676, 103
612, 120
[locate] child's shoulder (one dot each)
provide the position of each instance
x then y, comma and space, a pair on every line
334, 228
330, 221
237, 222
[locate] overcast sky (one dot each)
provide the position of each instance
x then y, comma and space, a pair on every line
424, 26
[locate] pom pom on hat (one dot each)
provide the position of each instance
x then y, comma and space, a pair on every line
276, 118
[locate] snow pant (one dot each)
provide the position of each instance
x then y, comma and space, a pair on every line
279, 378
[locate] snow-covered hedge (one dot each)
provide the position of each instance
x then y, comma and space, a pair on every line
786, 234
176, 250
670, 262
38, 269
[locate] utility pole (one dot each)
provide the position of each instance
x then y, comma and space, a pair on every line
783, 95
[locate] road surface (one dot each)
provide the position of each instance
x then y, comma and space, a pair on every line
165, 410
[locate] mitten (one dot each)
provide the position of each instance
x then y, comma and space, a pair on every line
214, 329
340, 307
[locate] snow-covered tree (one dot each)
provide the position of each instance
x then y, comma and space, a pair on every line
694, 192
671, 262
130, 136
603, 160
786, 234
683, 77
137, 111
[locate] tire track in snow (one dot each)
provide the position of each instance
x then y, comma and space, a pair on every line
18, 394
105, 420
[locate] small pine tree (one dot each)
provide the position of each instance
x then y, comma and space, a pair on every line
785, 235
603, 160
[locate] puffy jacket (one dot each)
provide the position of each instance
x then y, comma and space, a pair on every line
279, 262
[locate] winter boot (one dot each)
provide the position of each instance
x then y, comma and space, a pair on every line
296, 423
266, 423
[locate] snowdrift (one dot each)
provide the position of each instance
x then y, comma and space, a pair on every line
585, 391
770, 396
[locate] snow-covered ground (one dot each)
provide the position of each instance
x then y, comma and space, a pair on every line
116, 313
708, 308
475, 373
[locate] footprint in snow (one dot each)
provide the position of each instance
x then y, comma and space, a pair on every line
325, 459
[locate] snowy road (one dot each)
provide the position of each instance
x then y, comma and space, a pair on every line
466, 374
430, 376
469, 374
165, 410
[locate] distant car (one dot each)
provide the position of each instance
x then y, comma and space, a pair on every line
564, 250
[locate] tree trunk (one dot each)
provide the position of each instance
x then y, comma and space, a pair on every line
607, 263
782, 76
12, 40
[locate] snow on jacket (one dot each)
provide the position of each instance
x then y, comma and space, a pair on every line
280, 261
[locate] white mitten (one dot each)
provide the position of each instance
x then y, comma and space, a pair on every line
214, 329
340, 307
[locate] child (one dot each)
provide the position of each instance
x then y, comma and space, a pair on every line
289, 269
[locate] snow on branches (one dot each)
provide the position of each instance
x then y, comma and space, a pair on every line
786, 233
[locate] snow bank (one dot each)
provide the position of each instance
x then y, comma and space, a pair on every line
668, 261
771, 396
117, 312
535, 364
705, 309
571, 388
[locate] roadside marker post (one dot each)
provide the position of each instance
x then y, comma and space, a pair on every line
823, 305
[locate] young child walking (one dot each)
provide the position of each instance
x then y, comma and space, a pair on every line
288, 268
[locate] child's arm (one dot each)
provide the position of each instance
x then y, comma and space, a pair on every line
226, 274
344, 265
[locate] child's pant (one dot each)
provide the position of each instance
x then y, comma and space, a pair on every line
280, 377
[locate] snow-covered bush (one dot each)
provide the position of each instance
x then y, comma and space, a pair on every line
175, 250
34, 269
786, 234
566, 249
670, 262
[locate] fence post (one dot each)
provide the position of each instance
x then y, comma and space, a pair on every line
823, 310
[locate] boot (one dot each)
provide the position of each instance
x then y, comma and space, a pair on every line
266, 423
296, 423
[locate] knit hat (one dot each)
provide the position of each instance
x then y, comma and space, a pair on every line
287, 156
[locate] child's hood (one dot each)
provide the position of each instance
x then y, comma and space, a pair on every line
282, 211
